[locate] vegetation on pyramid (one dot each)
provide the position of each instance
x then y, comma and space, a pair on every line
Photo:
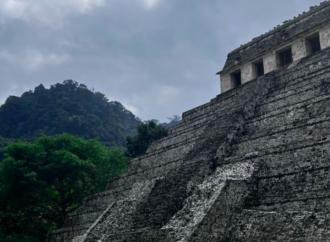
148, 132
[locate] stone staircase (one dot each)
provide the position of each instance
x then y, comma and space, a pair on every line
203, 197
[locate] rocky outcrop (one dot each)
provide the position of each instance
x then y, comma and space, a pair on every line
250, 165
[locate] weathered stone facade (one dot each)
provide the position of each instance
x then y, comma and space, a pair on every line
253, 164
292, 34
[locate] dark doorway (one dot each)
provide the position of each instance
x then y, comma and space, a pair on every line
236, 79
259, 69
313, 44
285, 57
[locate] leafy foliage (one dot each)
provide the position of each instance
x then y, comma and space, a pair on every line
17, 238
3, 143
41, 182
147, 133
68, 107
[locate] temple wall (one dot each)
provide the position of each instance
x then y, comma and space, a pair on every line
269, 62
226, 84
248, 73
325, 36
299, 49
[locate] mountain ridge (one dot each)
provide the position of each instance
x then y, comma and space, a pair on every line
68, 107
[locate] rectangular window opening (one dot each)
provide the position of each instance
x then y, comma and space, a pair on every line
285, 57
236, 79
259, 69
313, 44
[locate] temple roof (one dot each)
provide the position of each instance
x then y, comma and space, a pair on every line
279, 35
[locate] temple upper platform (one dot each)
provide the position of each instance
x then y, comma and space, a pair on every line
295, 39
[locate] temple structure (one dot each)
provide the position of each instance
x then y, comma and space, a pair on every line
288, 43
251, 165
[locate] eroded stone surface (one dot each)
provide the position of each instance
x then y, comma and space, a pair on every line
203, 196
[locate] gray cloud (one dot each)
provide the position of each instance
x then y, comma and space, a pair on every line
157, 57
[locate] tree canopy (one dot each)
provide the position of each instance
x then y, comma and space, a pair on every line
3, 144
66, 107
147, 133
42, 181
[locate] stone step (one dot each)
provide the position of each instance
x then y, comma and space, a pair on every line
296, 78
302, 85
294, 99
122, 210
85, 217
194, 113
303, 115
134, 235
202, 199
254, 225
310, 133
191, 124
174, 140
295, 186
300, 111
313, 156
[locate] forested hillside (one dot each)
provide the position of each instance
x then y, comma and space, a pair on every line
66, 107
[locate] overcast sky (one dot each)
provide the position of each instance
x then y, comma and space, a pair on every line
157, 57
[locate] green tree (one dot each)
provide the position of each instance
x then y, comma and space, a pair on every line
3, 143
41, 182
147, 133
